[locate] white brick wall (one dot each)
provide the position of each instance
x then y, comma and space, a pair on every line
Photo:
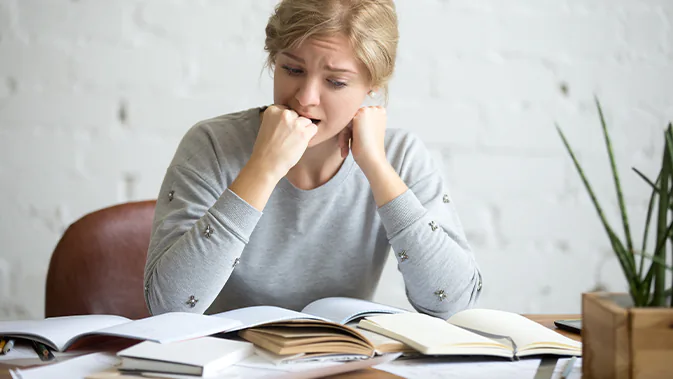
95, 95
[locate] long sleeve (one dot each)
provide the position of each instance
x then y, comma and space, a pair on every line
198, 236
200, 227
440, 273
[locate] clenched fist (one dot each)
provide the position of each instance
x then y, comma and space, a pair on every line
282, 140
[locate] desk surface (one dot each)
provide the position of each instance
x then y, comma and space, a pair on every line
544, 319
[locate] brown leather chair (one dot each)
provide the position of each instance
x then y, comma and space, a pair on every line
97, 266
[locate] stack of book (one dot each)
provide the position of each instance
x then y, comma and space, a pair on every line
328, 329
336, 328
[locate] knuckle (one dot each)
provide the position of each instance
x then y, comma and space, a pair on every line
288, 115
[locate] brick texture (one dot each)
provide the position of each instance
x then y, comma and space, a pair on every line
96, 94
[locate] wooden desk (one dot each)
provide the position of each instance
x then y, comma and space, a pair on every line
544, 319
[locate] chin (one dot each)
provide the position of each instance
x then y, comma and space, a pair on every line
319, 139
315, 142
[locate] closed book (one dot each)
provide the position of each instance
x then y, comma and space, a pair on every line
200, 357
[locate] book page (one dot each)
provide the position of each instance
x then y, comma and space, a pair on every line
263, 314
171, 327
56, 332
343, 310
384, 344
527, 334
431, 335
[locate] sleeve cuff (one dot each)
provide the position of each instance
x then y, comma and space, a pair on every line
401, 212
236, 214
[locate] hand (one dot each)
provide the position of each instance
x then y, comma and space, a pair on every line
366, 134
282, 140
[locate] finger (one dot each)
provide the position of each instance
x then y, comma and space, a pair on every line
347, 144
304, 122
343, 137
311, 131
289, 116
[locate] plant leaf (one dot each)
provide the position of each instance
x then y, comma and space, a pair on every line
648, 220
622, 255
626, 263
654, 258
647, 286
648, 181
618, 187
663, 228
669, 144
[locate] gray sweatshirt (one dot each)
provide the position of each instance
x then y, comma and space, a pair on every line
210, 251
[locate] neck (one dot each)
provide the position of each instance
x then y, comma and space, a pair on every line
317, 166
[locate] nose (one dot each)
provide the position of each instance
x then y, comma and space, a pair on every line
308, 93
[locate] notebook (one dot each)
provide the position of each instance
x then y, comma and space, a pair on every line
473, 332
320, 330
61, 332
201, 356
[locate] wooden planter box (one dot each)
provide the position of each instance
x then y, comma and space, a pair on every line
619, 341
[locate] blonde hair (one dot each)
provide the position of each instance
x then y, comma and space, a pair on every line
369, 25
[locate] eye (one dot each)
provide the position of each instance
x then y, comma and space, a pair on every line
292, 71
336, 84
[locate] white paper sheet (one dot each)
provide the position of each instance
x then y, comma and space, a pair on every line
467, 368
262, 314
343, 310
171, 327
75, 368
461, 367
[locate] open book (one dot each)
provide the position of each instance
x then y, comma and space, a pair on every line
61, 332
473, 332
320, 330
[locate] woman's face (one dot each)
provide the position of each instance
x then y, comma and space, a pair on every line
322, 80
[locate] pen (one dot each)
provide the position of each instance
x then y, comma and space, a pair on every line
42, 351
568, 368
9, 345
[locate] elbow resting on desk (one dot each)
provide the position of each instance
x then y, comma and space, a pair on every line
163, 297
457, 299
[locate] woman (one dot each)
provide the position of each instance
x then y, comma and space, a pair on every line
301, 200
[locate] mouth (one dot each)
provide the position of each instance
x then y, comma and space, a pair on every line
313, 120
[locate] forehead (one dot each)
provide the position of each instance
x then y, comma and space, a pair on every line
329, 50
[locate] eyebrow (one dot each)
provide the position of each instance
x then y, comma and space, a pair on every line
328, 67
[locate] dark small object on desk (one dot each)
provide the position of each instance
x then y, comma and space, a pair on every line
573, 326
42, 351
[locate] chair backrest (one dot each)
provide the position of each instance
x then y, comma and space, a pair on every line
97, 266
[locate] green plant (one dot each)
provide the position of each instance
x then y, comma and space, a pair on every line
640, 280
